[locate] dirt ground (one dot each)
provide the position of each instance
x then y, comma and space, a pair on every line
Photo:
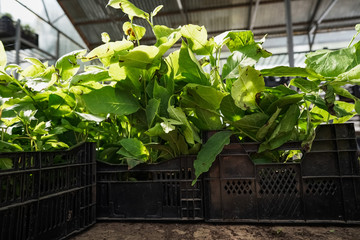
208, 231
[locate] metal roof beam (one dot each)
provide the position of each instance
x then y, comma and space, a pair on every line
46, 12
250, 14
183, 11
253, 15
321, 18
312, 19
289, 31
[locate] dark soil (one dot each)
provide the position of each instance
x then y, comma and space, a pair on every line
188, 231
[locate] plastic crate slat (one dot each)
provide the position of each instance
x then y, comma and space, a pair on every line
326, 178
35, 194
167, 187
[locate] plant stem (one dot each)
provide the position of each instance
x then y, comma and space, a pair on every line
353, 39
133, 28
26, 91
308, 116
328, 118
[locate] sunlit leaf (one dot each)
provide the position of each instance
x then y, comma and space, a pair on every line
156, 10
90, 117
246, 87
133, 31
105, 38
128, 8
140, 57
3, 57
151, 110
283, 131
110, 100
67, 65
197, 39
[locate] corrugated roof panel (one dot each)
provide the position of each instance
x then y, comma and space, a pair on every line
344, 9
203, 4
270, 15
216, 15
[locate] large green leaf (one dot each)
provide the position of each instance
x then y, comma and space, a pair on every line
197, 39
9, 147
6, 163
97, 76
209, 151
60, 104
208, 119
135, 148
246, 87
177, 114
176, 141
127, 7
345, 111
243, 41
140, 57
283, 131
162, 94
357, 106
190, 68
107, 51
67, 65
317, 101
284, 71
90, 117
3, 57
231, 67
151, 110
205, 96
230, 111
4, 77
305, 85
264, 130
350, 76
166, 38
283, 102
250, 124
239, 39
329, 98
330, 63
172, 63
36, 69
38, 84
110, 100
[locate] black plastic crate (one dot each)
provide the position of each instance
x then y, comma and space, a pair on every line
160, 191
324, 187
48, 195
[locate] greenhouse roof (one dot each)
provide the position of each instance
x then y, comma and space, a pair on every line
309, 18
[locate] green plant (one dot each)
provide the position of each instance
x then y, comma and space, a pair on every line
280, 114
145, 105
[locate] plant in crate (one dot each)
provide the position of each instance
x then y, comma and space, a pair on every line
277, 115
142, 104
145, 105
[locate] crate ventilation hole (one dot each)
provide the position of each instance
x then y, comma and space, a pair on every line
277, 181
321, 187
238, 187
